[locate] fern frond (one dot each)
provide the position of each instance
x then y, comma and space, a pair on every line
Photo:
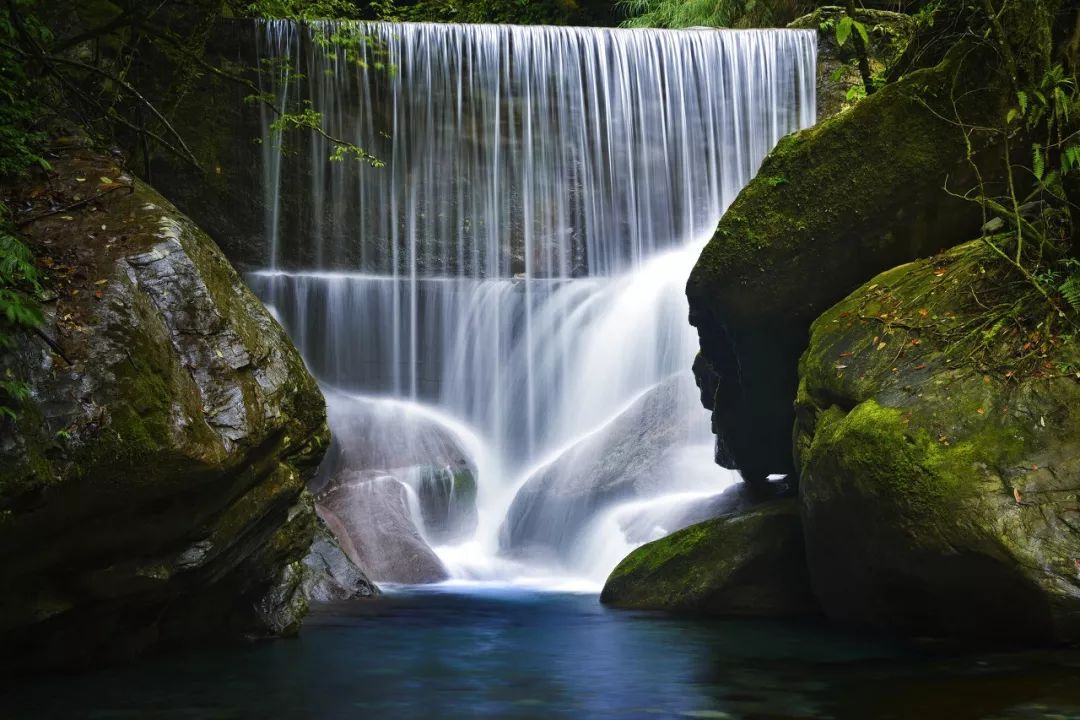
1070, 290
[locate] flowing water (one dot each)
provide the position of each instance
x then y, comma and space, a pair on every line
514, 274
497, 316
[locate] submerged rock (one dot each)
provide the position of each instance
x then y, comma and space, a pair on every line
939, 498
750, 563
152, 488
630, 457
369, 514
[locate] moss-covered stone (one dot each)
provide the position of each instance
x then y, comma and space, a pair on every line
151, 489
862, 192
939, 496
748, 564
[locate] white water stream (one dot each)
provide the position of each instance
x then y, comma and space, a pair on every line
511, 282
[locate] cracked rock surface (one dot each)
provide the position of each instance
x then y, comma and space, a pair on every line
152, 488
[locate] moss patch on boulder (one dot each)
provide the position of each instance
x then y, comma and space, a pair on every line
745, 564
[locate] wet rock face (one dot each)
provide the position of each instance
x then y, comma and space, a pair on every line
938, 498
330, 575
748, 563
369, 514
152, 490
447, 499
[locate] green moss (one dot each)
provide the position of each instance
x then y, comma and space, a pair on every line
748, 564
878, 454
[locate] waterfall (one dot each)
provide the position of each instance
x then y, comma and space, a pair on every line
515, 271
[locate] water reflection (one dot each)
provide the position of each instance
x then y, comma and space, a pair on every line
516, 653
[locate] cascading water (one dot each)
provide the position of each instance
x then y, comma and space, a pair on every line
511, 282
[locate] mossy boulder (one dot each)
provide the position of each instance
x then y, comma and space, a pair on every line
152, 488
940, 485
745, 564
830, 207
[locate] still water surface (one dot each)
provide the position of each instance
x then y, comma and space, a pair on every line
498, 652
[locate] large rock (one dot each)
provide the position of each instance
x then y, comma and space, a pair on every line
941, 465
370, 516
830, 207
152, 489
630, 457
749, 563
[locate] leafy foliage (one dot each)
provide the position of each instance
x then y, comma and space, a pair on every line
19, 310
19, 139
1070, 291
1030, 217
20, 143
712, 13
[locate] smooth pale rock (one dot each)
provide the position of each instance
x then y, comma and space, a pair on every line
369, 514
939, 498
392, 438
749, 563
631, 457
152, 490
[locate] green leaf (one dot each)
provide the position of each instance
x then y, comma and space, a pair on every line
1038, 163
843, 30
861, 29
1021, 96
